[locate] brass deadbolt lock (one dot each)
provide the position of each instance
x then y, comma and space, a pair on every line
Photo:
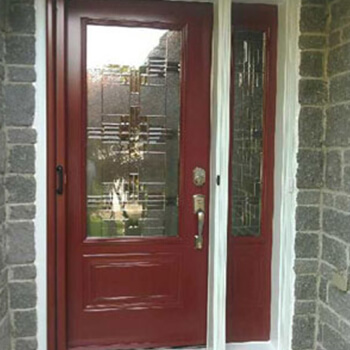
199, 177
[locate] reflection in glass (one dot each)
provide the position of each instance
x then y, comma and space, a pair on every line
248, 112
133, 102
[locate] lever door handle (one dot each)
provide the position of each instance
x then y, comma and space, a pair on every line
199, 236
60, 174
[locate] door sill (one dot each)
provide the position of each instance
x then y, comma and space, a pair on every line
250, 346
233, 346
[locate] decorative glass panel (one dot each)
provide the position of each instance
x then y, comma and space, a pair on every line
133, 113
248, 113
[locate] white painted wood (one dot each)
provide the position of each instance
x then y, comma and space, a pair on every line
220, 136
40, 172
251, 346
286, 148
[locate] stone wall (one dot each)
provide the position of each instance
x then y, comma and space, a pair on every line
334, 304
323, 215
5, 333
17, 166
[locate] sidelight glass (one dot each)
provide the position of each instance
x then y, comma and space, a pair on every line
247, 131
133, 131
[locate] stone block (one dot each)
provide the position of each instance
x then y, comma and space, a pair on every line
303, 332
342, 203
305, 266
3, 302
334, 252
332, 339
307, 218
22, 159
19, 114
22, 212
310, 169
347, 179
323, 290
306, 287
328, 316
26, 344
2, 42
25, 323
347, 157
307, 245
339, 59
3, 278
339, 302
313, 2
22, 136
3, 153
327, 270
22, 295
22, 272
313, 19
339, 88
5, 333
312, 64
21, 189
311, 127
20, 49
328, 199
340, 13
338, 126
315, 42
2, 73
336, 224
334, 38
21, 18
333, 179
309, 197
344, 330
346, 33
20, 243
305, 307
312, 92
21, 74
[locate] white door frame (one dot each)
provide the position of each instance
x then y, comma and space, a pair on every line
285, 171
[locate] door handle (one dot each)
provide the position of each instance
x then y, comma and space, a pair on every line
199, 208
59, 171
199, 236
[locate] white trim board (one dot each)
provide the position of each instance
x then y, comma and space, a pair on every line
219, 167
251, 346
41, 173
286, 148
285, 191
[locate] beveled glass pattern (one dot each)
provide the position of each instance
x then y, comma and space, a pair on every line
133, 103
248, 113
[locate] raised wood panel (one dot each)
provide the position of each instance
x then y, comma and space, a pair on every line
145, 289
248, 276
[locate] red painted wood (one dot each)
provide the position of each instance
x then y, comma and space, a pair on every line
112, 308
51, 175
249, 258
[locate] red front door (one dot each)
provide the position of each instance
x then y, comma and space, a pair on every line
138, 91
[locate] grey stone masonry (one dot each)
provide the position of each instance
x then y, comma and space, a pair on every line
322, 310
313, 95
5, 323
18, 293
334, 320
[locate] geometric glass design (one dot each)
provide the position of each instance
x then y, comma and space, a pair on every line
247, 137
133, 131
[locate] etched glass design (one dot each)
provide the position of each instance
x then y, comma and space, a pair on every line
247, 132
133, 131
